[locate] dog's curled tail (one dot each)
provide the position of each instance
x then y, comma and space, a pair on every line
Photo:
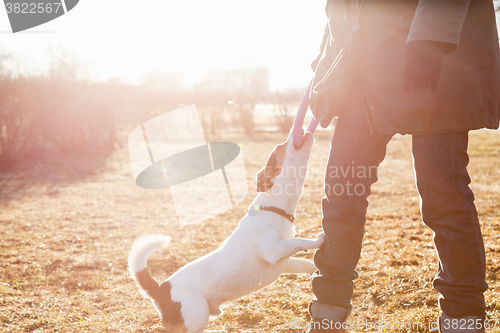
137, 261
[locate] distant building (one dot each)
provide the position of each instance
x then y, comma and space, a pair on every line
163, 81
238, 81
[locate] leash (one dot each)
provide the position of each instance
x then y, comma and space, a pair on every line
299, 120
255, 208
304, 104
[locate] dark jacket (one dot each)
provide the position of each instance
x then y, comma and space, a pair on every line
364, 48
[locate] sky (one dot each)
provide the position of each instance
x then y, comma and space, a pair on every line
126, 39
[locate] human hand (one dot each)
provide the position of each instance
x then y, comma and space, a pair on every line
423, 63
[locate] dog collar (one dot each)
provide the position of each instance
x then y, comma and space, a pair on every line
255, 208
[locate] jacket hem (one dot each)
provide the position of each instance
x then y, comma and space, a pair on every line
391, 128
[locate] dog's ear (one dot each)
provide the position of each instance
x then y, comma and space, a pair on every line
265, 175
264, 182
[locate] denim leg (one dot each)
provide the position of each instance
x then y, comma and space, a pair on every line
447, 207
355, 154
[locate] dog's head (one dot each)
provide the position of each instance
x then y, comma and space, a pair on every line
284, 155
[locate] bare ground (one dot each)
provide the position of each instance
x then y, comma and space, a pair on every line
67, 225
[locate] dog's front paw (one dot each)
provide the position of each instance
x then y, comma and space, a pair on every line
320, 240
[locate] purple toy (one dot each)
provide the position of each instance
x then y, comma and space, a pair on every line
299, 120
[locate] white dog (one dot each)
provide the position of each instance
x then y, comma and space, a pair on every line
252, 257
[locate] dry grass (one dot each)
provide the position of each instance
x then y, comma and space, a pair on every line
66, 228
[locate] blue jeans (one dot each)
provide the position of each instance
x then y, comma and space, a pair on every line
447, 207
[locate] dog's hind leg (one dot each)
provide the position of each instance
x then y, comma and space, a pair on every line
298, 265
215, 312
195, 313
